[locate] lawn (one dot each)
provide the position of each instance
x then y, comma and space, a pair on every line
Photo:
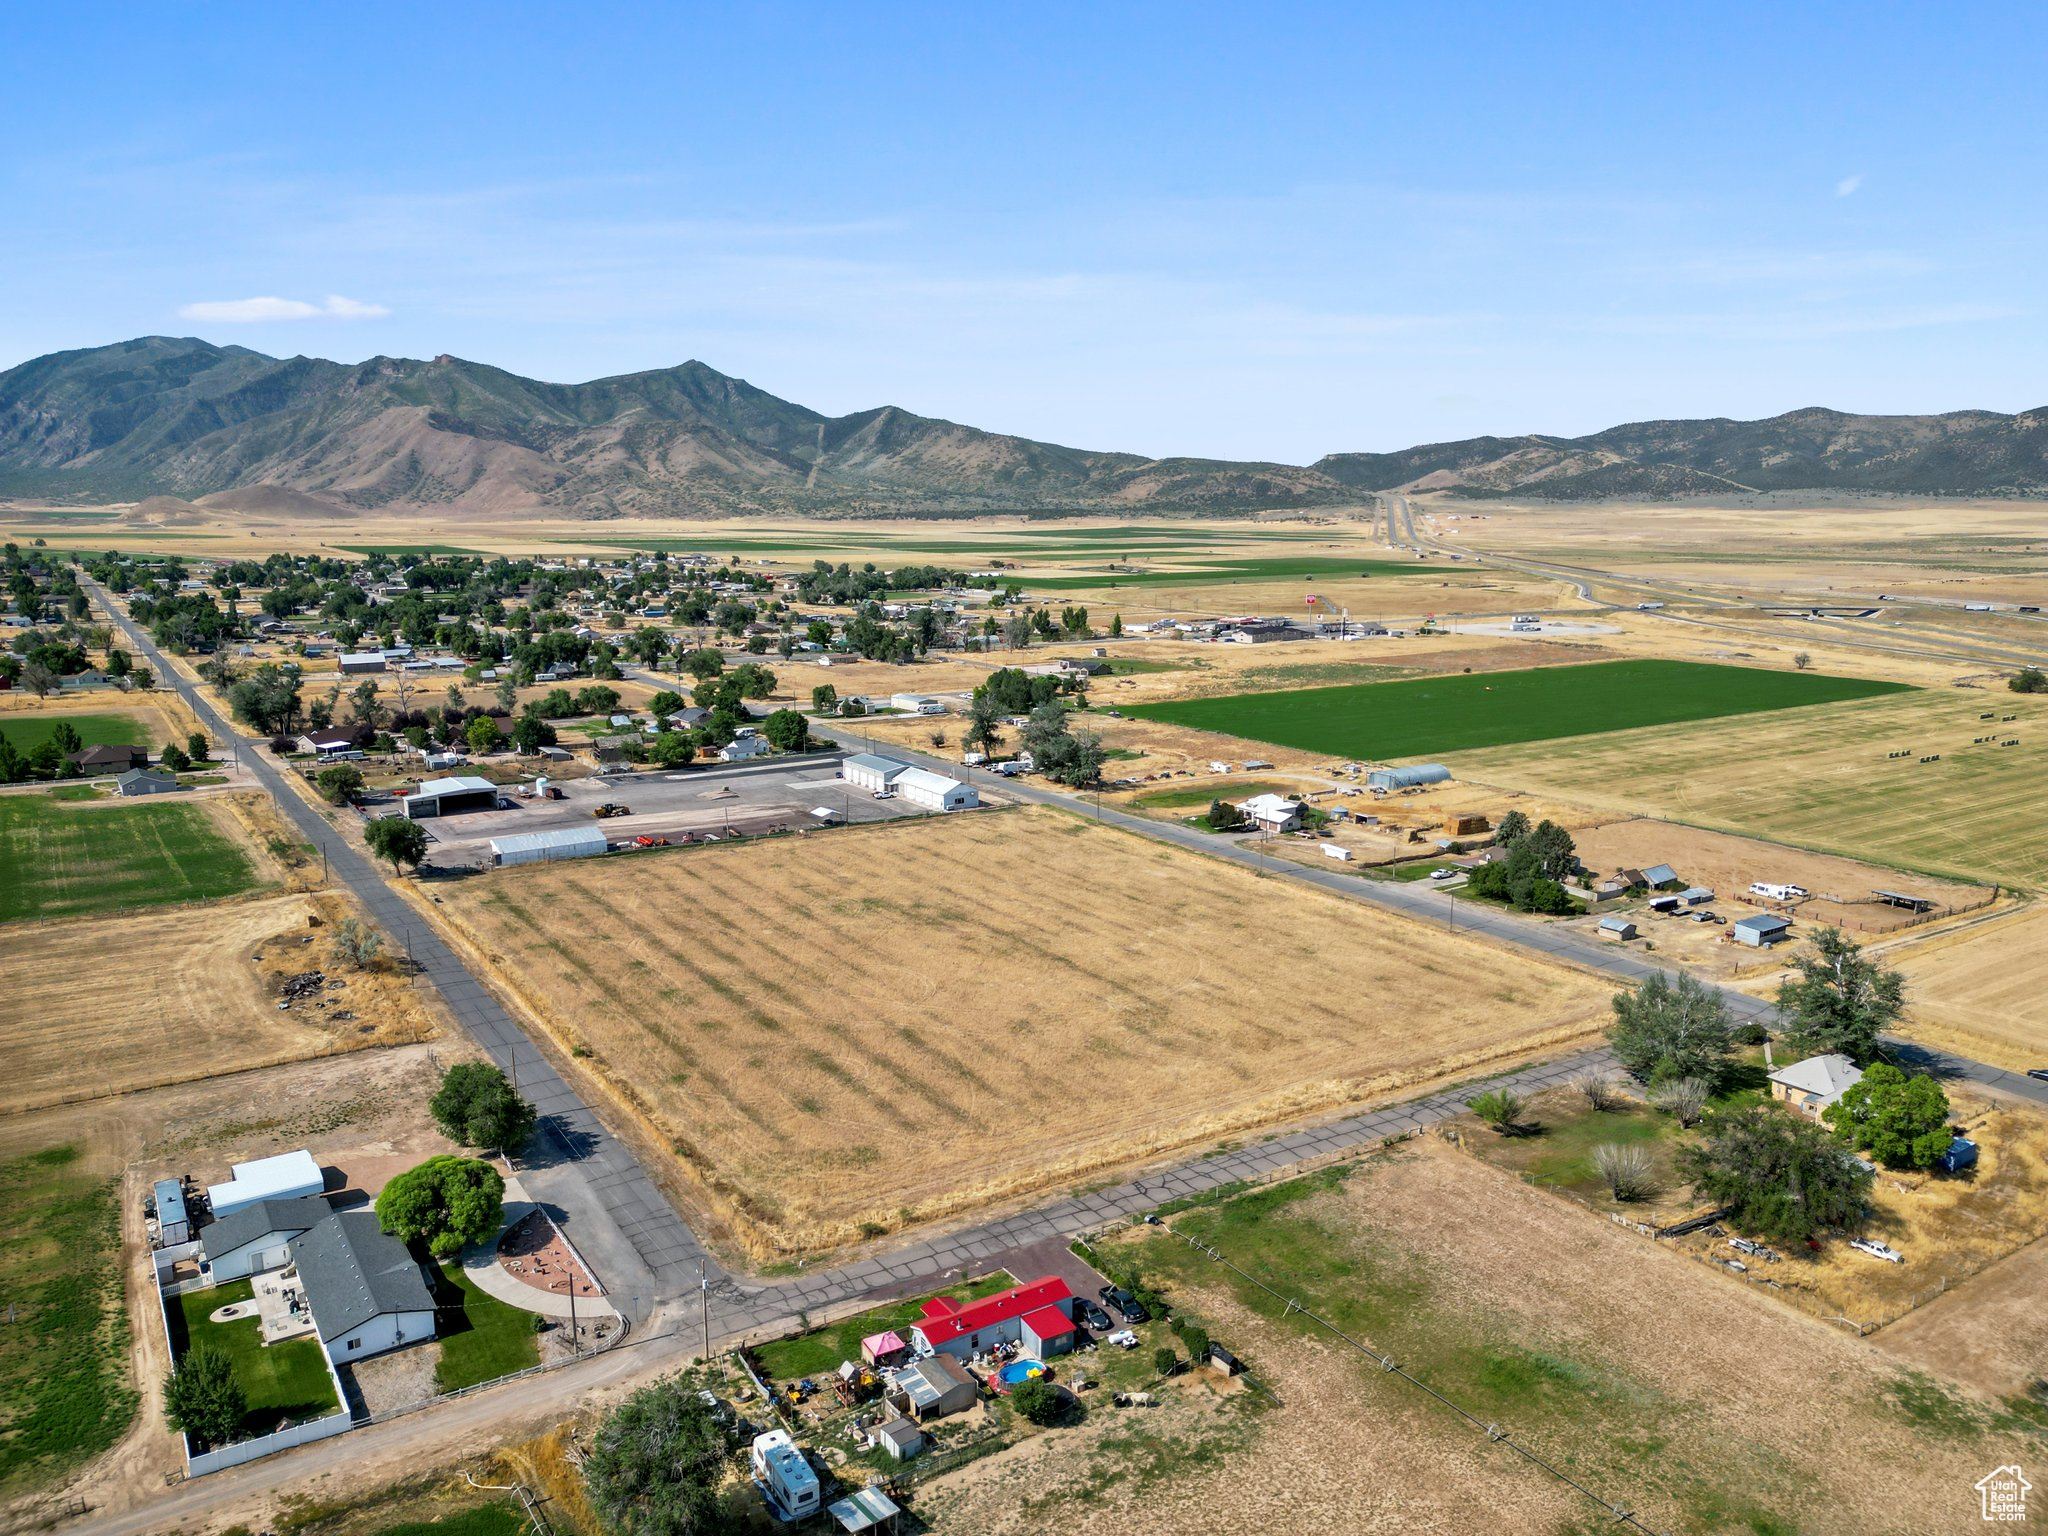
28, 732
811, 1354
1274, 569
502, 1519
1429, 715
60, 861
481, 1337
64, 1390
286, 1383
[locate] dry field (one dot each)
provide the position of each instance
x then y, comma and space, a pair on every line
1986, 983
846, 1032
1990, 1331
104, 1006
1691, 1400
1820, 778
1726, 865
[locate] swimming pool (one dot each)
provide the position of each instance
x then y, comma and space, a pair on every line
1023, 1370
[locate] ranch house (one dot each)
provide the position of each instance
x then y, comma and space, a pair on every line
1037, 1315
1810, 1086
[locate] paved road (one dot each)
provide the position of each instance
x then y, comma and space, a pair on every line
606, 1202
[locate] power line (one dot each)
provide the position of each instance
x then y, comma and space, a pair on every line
1621, 1514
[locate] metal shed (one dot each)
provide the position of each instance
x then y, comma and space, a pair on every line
1407, 778
545, 847
871, 771
448, 797
1617, 928
1763, 929
172, 1224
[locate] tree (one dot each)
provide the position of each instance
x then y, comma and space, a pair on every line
530, 733
1224, 817
356, 945
397, 838
364, 707
339, 783
1116, 626
2028, 680
197, 746
703, 664
1626, 1170
483, 735
1500, 1109
1665, 1030
984, 731
1556, 854
39, 679
1512, 829
787, 731
1017, 631
266, 700
203, 1397
1899, 1120
664, 703
656, 1464
1839, 1001
671, 749
597, 699
476, 1106
173, 757
824, 699
447, 1202
1781, 1175
1038, 1400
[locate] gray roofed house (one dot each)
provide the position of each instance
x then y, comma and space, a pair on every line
239, 1228
146, 781
368, 1293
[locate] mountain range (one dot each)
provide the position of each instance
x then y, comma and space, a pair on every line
181, 418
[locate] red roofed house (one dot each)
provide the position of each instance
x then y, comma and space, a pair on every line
1039, 1316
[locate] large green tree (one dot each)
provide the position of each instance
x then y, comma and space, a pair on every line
447, 1203
656, 1464
397, 838
1665, 1030
1899, 1120
476, 1106
787, 731
1840, 1001
203, 1397
1780, 1175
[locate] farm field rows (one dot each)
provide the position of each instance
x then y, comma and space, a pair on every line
103, 1006
58, 859
1437, 715
1822, 779
851, 1031
1658, 1384
1985, 987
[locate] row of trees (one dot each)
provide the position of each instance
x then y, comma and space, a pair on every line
1530, 877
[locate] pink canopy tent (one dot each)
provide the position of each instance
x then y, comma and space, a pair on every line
879, 1348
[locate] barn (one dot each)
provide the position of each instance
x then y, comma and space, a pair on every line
546, 847
1407, 778
1763, 930
355, 662
869, 771
935, 791
449, 797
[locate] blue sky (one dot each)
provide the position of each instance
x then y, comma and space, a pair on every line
1170, 229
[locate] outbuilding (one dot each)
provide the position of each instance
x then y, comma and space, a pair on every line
1407, 778
900, 1438
935, 791
933, 1387
870, 771
449, 797
145, 781
328, 743
172, 1224
1695, 895
916, 704
1617, 928
1762, 930
1660, 877
353, 662
288, 1176
546, 847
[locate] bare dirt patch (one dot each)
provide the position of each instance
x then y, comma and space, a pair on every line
104, 1006
847, 1032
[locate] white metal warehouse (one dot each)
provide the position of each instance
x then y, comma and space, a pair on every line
867, 770
935, 791
445, 797
545, 847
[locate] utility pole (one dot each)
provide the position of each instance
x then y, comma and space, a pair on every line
704, 1299
575, 1334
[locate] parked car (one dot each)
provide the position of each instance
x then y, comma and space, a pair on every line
1125, 1305
1877, 1250
1443, 874
1094, 1316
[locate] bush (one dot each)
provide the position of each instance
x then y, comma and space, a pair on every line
1500, 1109
1038, 1401
448, 1203
203, 1398
1625, 1170
1596, 1086
1164, 1360
1194, 1337
355, 945
1684, 1098
2028, 680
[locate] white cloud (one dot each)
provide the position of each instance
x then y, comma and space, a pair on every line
1848, 184
257, 311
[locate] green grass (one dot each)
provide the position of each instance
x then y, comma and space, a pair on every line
481, 1337
61, 861
1234, 790
809, 1354
1279, 568
1567, 1155
1429, 715
285, 1382
500, 1519
64, 1391
28, 732
1422, 869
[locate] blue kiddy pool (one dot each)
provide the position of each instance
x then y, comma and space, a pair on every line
1023, 1370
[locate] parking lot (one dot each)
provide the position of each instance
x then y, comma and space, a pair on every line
694, 803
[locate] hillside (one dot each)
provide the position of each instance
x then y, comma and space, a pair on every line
182, 418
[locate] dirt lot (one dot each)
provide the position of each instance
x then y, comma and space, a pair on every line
1693, 1402
871, 1026
103, 1006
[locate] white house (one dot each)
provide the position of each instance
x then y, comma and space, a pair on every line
258, 1237
368, 1293
935, 791
1272, 813
741, 748
869, 771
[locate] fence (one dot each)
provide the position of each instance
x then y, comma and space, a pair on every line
265, 1445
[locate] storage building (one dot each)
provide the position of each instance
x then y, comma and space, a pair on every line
1617, 928
932, 1388
145, 781
545, 847
361, 661
916, 704
449, 797
288, 1176
1763, 930
1660, 877
935, 791
172, 1224
869, 771
1407, 778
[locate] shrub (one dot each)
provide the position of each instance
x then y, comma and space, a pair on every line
1164, 1360
355, 945
1625, 1170
1684, 1098
1596, 1086
203, 1398
1038, 1401
1500, 1109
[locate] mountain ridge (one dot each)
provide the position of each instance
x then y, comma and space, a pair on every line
185, 418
